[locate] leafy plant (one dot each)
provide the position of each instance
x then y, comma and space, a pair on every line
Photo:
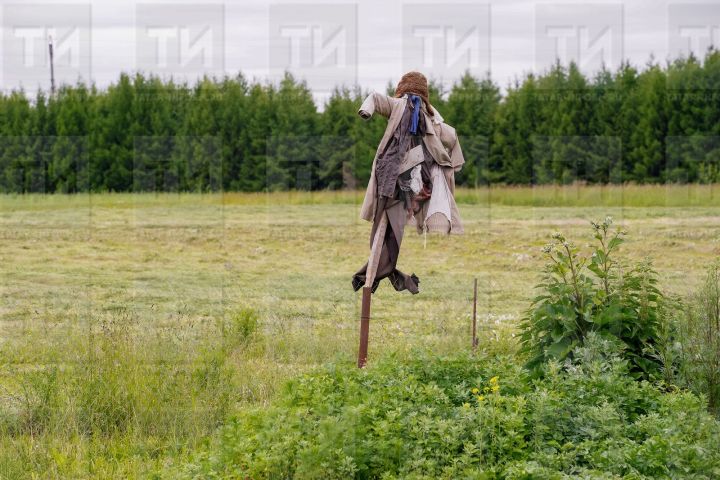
241, 328
580, 294
470, 417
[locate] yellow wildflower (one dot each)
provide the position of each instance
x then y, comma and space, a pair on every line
494, 380
495, 388
475, 391
480, 398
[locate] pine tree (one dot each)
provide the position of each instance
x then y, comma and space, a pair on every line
336, 152
646, 153
292, 161
471, 109
515, 126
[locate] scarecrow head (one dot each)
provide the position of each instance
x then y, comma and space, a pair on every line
414, 82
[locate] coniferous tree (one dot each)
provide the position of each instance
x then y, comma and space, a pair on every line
336, 149
234, 115
471, 108
646, 152
515, 126
260, 107
292, 160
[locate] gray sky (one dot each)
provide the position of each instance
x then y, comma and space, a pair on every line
331, 43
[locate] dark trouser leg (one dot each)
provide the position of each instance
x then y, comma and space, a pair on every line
390, 250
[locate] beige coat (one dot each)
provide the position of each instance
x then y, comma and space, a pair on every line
440, 140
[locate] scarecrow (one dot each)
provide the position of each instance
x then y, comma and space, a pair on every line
412, 180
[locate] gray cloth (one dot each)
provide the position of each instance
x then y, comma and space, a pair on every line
388, 162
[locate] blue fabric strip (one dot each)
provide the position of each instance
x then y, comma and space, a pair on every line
415, 114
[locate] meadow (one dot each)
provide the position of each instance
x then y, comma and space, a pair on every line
132, 326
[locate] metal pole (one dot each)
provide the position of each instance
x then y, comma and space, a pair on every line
52, 67
474, 317
364, 326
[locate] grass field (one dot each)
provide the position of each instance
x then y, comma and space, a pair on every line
128, 330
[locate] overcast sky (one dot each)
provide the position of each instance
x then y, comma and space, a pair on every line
367, 43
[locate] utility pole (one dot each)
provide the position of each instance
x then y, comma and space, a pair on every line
52, 67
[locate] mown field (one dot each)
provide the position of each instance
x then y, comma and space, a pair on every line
133, 325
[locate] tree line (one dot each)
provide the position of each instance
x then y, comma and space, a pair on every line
142, 133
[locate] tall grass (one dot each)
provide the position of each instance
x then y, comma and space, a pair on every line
581, 195
161, 393
570, 195
700, 339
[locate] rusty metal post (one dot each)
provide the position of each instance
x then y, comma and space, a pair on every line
474, 318
370, 272
364, 326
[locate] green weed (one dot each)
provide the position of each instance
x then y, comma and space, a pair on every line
462, 417
583, 293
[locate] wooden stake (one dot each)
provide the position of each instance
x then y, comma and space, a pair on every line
370, 273
474, 318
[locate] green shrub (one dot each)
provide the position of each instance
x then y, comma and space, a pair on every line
700, 340
468, 418
580, 294
242, 326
